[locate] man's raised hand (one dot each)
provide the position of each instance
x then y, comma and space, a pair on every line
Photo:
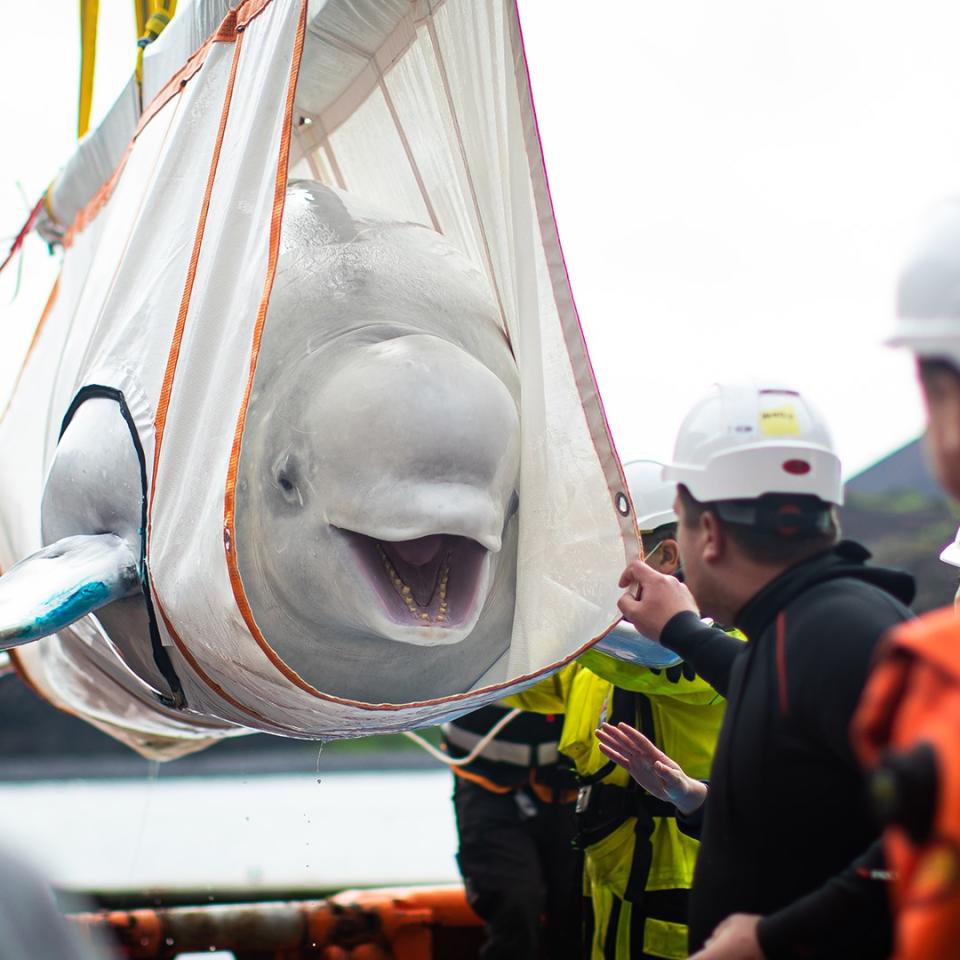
651, 767
652, 598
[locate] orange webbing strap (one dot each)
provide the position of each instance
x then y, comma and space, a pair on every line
229, 500
173, 356
195, 666
226, 33
231, 30
549, 794
912, 702
544, 793
481, 780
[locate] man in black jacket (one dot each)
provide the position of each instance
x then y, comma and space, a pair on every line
789, 861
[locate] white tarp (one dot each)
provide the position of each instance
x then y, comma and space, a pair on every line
422, 109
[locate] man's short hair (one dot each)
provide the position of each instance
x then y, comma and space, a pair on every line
780, 529
935, 365
653, 538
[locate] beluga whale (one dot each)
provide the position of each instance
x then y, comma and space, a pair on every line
377, 500
376, 519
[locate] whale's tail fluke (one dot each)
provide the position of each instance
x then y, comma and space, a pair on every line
63, 582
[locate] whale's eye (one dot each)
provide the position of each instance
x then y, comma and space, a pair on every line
285, 477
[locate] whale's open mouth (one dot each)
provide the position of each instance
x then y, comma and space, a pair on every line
432, 581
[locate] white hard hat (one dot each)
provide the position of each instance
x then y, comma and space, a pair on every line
652, 495
928, 292
951, 552
741, 441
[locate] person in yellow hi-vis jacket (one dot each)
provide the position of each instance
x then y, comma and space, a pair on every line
638, 854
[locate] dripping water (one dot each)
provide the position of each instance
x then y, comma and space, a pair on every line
153, 774
320, 745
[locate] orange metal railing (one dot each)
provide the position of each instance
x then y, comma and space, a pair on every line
402, 923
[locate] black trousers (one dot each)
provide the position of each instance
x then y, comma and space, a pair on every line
518, 864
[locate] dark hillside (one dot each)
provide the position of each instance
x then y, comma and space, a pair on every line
903, 471
907, 531
897, 510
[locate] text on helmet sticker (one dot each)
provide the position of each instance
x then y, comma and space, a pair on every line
780, 421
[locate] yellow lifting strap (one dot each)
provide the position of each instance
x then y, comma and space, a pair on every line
150, 27
89, 12
141, 11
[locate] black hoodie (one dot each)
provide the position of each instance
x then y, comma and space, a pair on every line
786, 831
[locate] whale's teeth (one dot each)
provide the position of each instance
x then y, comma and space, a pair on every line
417, 611
442, 590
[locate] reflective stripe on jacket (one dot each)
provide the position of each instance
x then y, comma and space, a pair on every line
523, 753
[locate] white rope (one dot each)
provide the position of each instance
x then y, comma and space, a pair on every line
474, 753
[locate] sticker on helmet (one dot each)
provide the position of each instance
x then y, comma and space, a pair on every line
780, 421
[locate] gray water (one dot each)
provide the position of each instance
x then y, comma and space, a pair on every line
266, 833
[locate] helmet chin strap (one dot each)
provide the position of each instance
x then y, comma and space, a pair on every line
647, 556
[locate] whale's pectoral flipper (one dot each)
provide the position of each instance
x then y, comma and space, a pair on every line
63, 582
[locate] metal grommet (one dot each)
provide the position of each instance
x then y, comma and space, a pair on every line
623, 504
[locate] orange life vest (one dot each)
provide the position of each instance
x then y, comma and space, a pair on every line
907, 731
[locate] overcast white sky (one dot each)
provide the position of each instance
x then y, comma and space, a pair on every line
734, 185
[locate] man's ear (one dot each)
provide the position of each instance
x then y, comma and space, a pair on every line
713, 537
941, 392
669, 557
